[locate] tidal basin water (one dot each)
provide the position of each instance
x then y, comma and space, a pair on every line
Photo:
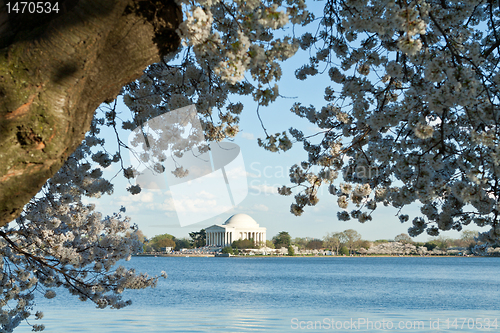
349, 294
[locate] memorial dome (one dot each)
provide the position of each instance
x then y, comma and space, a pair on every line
237, 227
241, 221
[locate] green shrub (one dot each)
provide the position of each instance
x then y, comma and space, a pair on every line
430, 245
244, 244
344, 250
227, 249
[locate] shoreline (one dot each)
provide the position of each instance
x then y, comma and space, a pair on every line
312, 256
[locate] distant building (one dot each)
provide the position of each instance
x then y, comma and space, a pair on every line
167, 249
238, 226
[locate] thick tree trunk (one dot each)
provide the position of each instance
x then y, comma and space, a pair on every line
56, 69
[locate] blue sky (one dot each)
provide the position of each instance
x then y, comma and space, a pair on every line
153, 210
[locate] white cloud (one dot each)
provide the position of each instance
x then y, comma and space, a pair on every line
248, 136
206, 195
236, 173
201, 202
144, 196
252, 175
263, 189
261, 207
317, 209
147, 197
195, 205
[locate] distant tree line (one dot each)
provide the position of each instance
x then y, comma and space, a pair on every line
350, 241
340, 243
158, 243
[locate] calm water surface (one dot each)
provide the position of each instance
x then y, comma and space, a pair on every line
297, 294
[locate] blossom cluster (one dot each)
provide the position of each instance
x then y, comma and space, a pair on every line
222, 41
412, 114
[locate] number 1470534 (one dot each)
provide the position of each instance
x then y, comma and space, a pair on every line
24, 7
470, 323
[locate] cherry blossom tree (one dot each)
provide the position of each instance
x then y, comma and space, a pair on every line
56, 67
60, 242
410, 115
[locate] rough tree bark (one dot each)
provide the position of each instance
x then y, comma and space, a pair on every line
56, 69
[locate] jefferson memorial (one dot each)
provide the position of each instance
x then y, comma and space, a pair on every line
238, 226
